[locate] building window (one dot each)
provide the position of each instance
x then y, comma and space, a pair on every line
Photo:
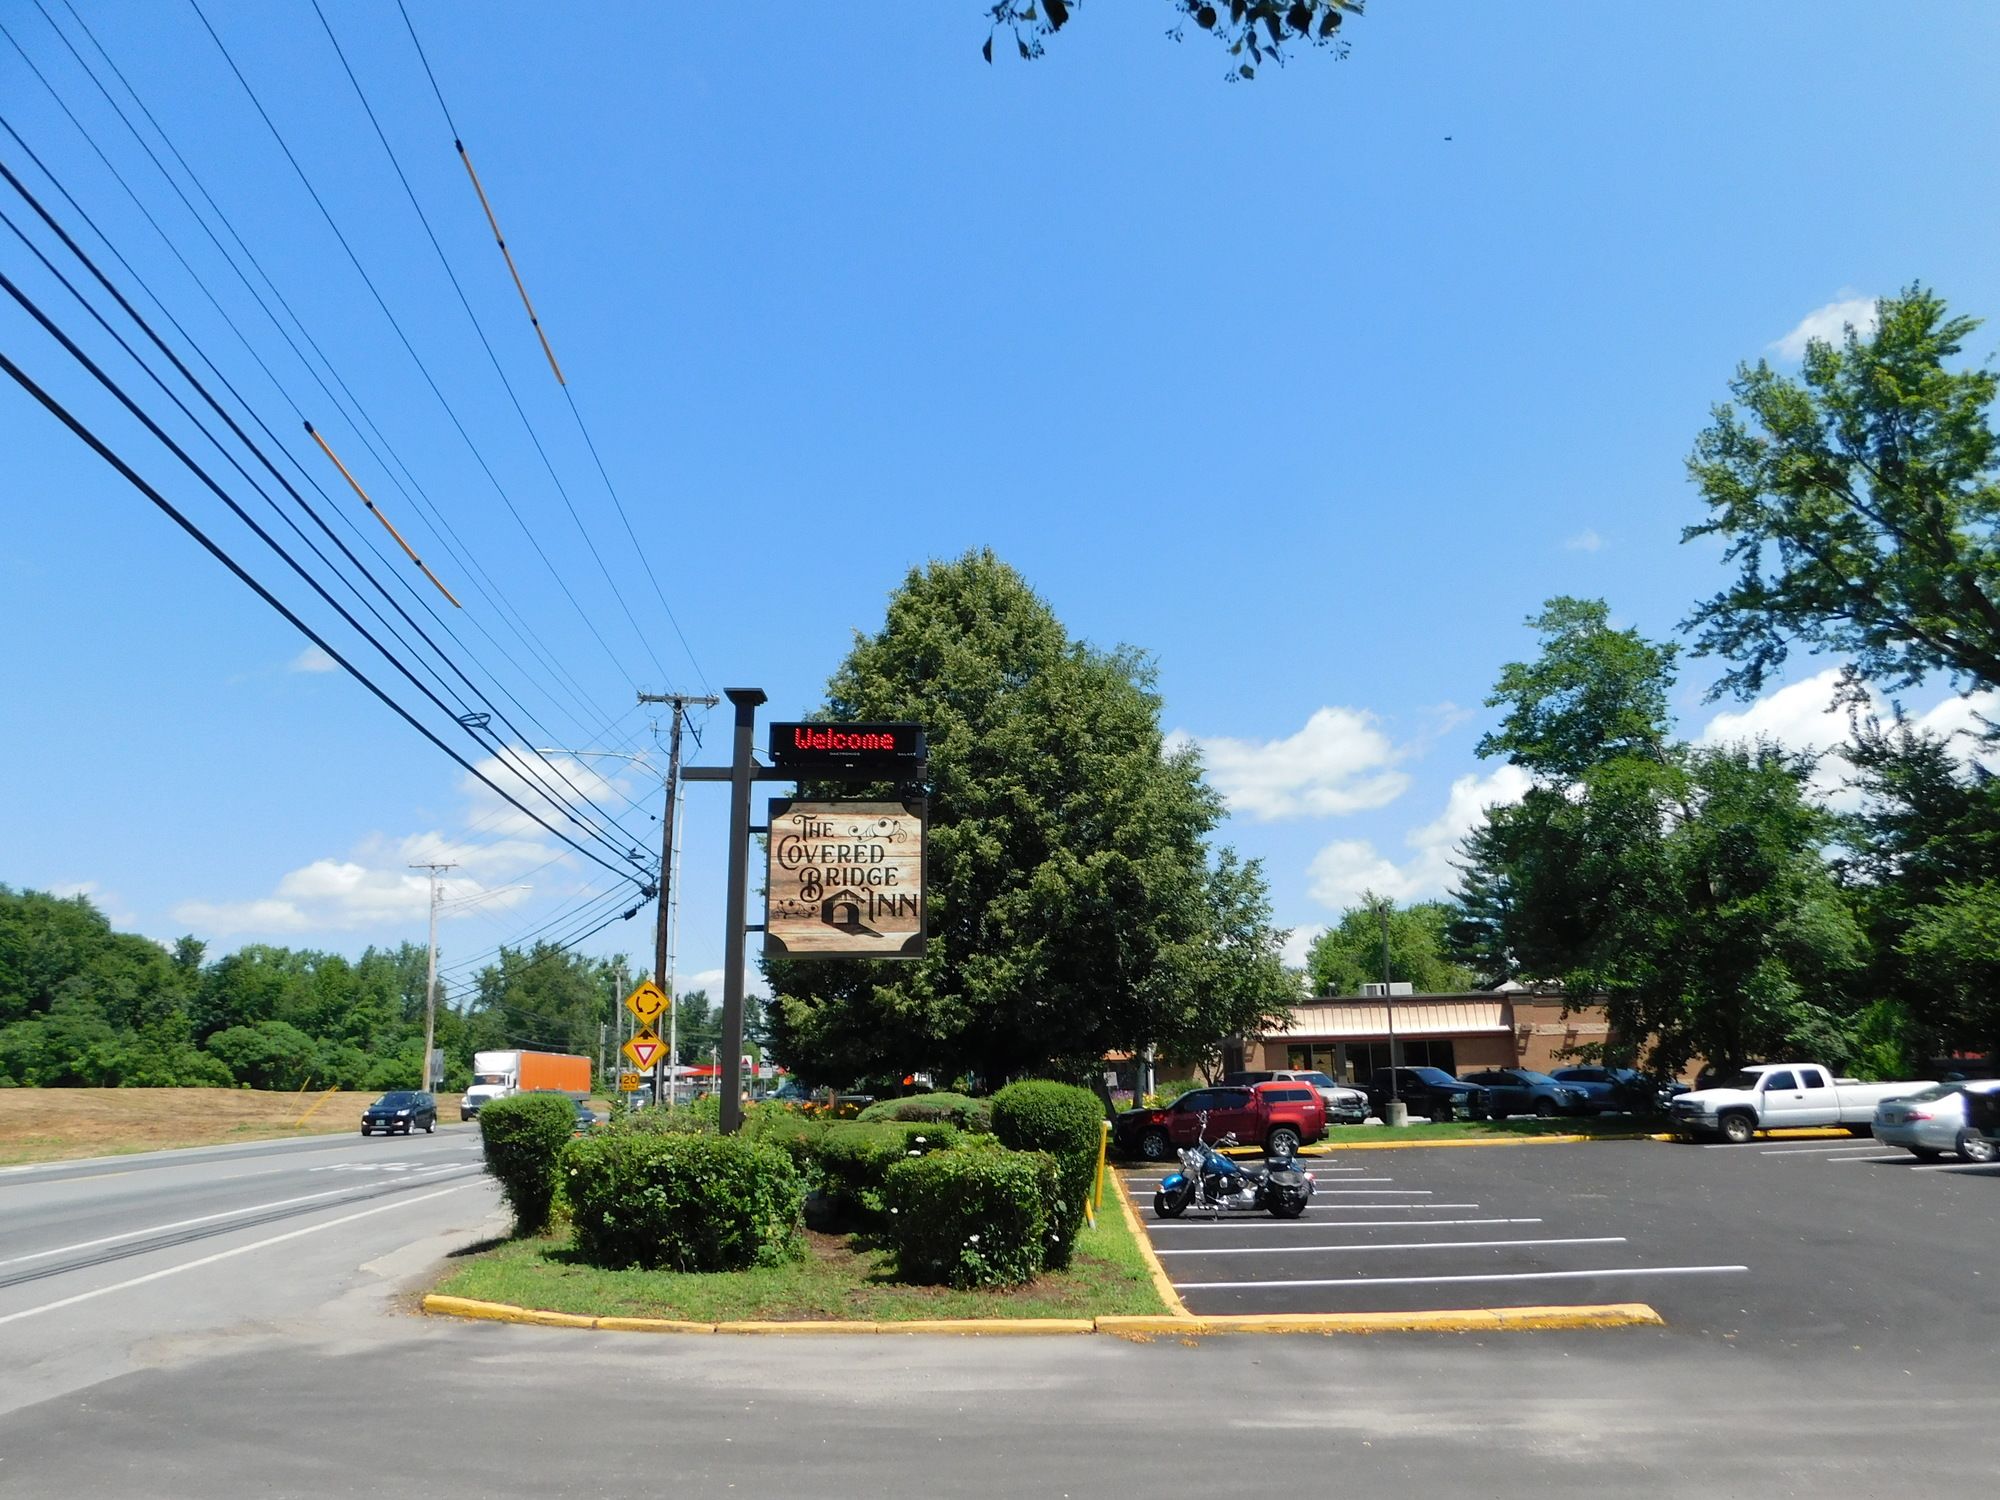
1418, 1052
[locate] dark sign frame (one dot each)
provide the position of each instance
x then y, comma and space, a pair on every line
849, 745
914, 945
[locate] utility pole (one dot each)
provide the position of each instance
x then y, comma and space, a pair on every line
662, 948
431, 979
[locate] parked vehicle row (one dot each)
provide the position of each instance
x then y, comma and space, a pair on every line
1780, 1096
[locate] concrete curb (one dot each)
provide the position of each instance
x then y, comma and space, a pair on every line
1446, 1320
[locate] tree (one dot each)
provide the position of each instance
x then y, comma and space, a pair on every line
545, 998
1859, 503
1687, 886
1255, 32
1349, 953
1073, 905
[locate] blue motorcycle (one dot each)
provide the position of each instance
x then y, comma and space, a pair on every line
1211, 1181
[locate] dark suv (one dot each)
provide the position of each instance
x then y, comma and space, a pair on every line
403, 1110
1280, 1117
1431, 1092
1523, 1091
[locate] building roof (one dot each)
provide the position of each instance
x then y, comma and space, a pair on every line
1368, 1020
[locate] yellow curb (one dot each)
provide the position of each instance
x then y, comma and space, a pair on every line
990, 1325
504, 1312
652, 1325
1441, 1320
1162, 1283
1149, 1323
802, 1326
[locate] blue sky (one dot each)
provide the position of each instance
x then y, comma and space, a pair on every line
1313, 388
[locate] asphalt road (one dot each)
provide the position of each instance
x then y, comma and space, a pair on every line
106, 1263
1857, 1354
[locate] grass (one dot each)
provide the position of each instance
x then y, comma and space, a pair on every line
839, 1278
60, 1124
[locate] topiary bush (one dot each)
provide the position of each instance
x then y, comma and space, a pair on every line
684, 1202
1068, 1123
952, 1109
523, 1134
853, 1158
797, 1135
969, 1218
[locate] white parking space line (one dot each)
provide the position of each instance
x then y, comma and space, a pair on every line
1767, 1144
1491, 1276
1834, 1161
1381, 1192
402, 1201
1611, 1239
1959, 1166
1156, 1181
1405, 1225
1813, 1150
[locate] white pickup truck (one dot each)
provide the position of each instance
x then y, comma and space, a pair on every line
1781, 1096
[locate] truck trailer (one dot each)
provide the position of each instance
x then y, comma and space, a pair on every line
495, 1075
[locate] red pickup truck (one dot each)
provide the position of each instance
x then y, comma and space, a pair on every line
1280, 1117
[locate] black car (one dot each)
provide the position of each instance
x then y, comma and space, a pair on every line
586, 1119
1430, 1092
1624, 1090
403, 1110
1523, 1091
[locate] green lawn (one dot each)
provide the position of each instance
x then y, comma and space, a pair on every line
837, 1279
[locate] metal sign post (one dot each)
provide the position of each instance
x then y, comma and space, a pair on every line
859, 753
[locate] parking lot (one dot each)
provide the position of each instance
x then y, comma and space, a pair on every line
1795, 1241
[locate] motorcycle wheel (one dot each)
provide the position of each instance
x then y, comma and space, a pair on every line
1288, 1208
1173, 1207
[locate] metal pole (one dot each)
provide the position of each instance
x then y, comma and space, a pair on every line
673, 952
740, 768
1396, 1112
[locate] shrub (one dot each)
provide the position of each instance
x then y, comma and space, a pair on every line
522, 1135
853, 1159
1068, 1123
797, 1135
684, 1202
969, 1218
952, 1109
658, 1119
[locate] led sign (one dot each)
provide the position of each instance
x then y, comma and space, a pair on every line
846, 744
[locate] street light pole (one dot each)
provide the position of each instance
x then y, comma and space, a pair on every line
1395, 1112
431, 973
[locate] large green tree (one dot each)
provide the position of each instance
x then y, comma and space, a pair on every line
1074, 904
1686, 886
1349, 953
1255, 33
1859, 504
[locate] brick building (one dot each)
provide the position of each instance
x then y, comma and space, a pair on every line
1349, 1038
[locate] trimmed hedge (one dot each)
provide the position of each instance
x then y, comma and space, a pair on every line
952, 1109
969, 1218
853, 1159
684, 1202
522, 1135
1068, 1123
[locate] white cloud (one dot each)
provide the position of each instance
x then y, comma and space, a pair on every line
312, 659
375, 888
1345, 869
1585, 541
1829, 323
1341, 762
1804, 718
1299, 944
62, 890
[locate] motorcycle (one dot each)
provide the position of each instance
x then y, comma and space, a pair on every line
1209, 1180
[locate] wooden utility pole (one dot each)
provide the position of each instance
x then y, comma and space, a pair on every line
431, 976
662, 955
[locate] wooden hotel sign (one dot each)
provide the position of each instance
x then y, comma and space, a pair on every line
844, 880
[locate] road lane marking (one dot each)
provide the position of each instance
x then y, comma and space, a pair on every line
1232, 1286
1403, 1224
1609, 1239
402, 1201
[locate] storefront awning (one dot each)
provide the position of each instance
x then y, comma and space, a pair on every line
1368, 1020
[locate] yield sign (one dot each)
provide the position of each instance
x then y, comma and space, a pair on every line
645, 1048
647, 1002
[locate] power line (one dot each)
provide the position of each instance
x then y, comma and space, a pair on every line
485, 343
508, 616
131, 476
458, 142
404, 339
542, 788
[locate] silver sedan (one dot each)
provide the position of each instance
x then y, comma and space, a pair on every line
1931, 1122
